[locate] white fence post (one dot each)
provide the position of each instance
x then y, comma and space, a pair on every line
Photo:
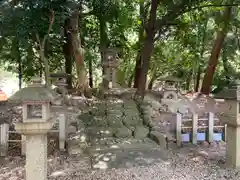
4, 128
179, 129
194, 128
210, 127
225, 133
23, 144
62, 131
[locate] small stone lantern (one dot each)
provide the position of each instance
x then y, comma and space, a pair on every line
60, 76
170, 92
171, 83
109, 68
35, 124
231, 116
60, 105
60, 80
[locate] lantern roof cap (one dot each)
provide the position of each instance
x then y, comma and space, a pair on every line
35, 92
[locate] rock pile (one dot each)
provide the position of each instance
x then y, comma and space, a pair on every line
111, 120
119, 117
161, 123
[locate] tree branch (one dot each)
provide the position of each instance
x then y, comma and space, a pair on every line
174, 12
52, 18
38, 40
211, 5
181, 9
145, 11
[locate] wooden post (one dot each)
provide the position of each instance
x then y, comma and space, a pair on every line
62, 131
23, 143
4, 128
179, 129
210, 127
194, 128
225, 133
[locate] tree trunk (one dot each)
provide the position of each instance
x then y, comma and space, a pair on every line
130, 80
188, 81
153, 77
90, 70
150, 85
103, 42
216, 49
138, 65
199, 68
46, 67
147, 48
78, 53
67, 51
198, 78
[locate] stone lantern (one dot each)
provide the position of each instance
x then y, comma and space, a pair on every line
230, 115
109, 68
171, 83
36, 122
170, 92
60, 76
60, 105
60, 81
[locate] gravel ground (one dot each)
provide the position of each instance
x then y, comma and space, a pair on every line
188, 163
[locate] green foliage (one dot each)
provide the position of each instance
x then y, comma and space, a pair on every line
180, 50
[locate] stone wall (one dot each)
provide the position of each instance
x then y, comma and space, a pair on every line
112, 121
118, 118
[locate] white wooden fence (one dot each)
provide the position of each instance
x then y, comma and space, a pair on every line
4, 136
194, 127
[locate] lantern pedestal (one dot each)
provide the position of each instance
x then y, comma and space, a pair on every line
233, 146
233, 139
36, 148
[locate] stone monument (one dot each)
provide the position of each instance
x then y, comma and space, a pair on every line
60, 77
109, 68
36, 122
170, 92
231, 116
61, 83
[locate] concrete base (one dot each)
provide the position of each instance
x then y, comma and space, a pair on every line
233, 146
36, 157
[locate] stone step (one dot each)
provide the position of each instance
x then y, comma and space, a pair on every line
161, 138
102, 140
100, 131
122, 147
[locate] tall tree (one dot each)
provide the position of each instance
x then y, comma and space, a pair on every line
142, 12
216, 49
42, 49
148, 47
78, 52
154, 26
67, 51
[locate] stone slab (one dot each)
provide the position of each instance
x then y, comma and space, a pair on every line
141, 132
159, 138
140, 156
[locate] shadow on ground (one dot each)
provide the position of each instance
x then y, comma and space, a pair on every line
127, 158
